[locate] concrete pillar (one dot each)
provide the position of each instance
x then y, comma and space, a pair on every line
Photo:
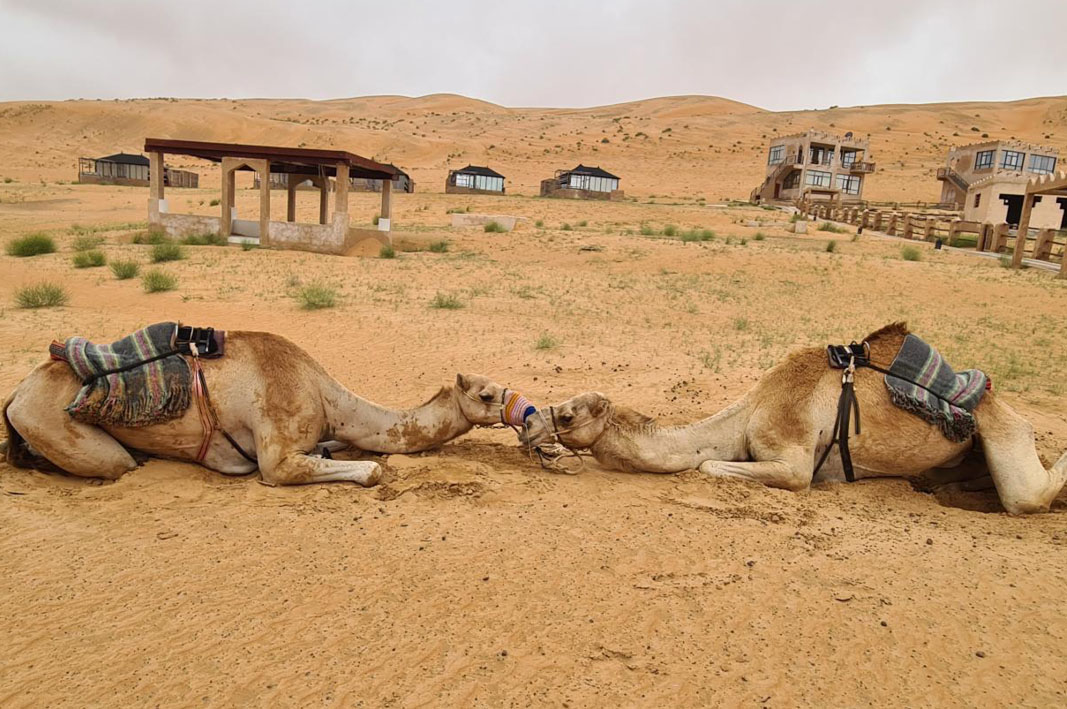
385, 222
264, 203
1024, 227
290, 197
155, 175
341, 184
324, 200
909, 229
226, 217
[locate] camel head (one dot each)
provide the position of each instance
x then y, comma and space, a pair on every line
576, 423
480, 399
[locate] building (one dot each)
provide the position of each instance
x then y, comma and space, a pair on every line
474, 180
988, 180
583, 183
815, 164
127, 169
333, 234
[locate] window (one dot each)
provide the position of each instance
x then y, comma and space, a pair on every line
849, 184
848, 158
1042, 164
983, 160
464, 180
821, 156
777, 155
791, 180
817, 179
1012, 160
977, 199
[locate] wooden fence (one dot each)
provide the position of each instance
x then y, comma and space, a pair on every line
1041, 244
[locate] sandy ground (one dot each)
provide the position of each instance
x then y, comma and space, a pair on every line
471, 577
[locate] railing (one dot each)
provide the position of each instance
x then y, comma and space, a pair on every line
860, 167
947, 173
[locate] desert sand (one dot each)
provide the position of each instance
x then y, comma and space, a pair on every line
471, 577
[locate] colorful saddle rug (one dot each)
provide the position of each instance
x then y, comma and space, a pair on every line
922, 383
139, 380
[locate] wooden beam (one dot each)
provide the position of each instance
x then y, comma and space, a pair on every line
1024, 227
341, 197
155, 175
264, 203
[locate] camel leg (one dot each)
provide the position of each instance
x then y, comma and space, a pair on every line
1023, 484
790, 469
303, 469
77, 448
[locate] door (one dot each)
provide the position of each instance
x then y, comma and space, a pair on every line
1015, 207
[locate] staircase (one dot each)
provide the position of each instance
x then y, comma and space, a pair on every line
947, 173
765, 191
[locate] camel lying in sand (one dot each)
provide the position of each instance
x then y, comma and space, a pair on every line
274, 400
774, 434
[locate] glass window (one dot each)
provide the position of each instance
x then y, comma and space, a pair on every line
791, 180
777, 155
1012, 160
977, 198
816, 178
1042, 164
463, 180
983, 159
847, 158
849, 184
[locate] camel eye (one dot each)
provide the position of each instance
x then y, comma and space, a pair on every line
566, 418
486, 397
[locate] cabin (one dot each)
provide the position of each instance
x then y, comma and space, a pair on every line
474, 180
129, 169
815, 164
583, 183
988, 181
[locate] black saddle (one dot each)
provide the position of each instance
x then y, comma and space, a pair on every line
209, 342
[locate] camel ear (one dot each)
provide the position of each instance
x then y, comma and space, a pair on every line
599, 404
462, 383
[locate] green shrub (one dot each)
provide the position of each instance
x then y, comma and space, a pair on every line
831, 246
85, 242
377, 218
31, 245
125, 270
167, 251
646, 230
249, 245
387, 251
546, 342
565, 227
439, 247
740, 324
832, 228
539, 223
158, 280
584, 222
698, 235
150, 237
760, 236
42, 295
316, 296
670, 230
214, 203
910, 253
495, 228
208, 239
89, 259
446, 301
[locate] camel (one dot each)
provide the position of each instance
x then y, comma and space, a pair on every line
776, 431
272, 397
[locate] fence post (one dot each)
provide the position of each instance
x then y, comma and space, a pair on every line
1000, 237
1043, 245
928, 231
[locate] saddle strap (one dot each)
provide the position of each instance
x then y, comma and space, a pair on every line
847, 404
209, 418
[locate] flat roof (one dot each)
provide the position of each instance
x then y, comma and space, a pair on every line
298, 161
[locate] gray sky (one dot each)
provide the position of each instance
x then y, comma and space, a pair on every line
777, 54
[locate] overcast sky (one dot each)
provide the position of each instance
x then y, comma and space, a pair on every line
777, 54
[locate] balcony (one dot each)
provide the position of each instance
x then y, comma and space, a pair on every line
860, 167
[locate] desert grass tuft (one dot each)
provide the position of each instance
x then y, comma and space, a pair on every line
317, 296
546, 342
86, 242
387, 251
208, 239
31, 245
439, 247
831, 246
495, 228
167, 251
125, 270
446, 301
158, 280
832, 228
910, 253
89, 259
41, 295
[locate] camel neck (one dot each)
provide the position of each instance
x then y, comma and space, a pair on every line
671, 449
374, 428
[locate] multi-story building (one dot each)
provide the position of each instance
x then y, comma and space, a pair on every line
988, 180
815, 163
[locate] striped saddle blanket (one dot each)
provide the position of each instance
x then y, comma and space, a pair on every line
139, 380
921, 382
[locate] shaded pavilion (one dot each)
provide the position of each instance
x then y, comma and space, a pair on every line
301, 165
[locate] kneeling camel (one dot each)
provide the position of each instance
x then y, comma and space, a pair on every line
776, 432
272, 397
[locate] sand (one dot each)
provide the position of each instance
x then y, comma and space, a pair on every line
471, 577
